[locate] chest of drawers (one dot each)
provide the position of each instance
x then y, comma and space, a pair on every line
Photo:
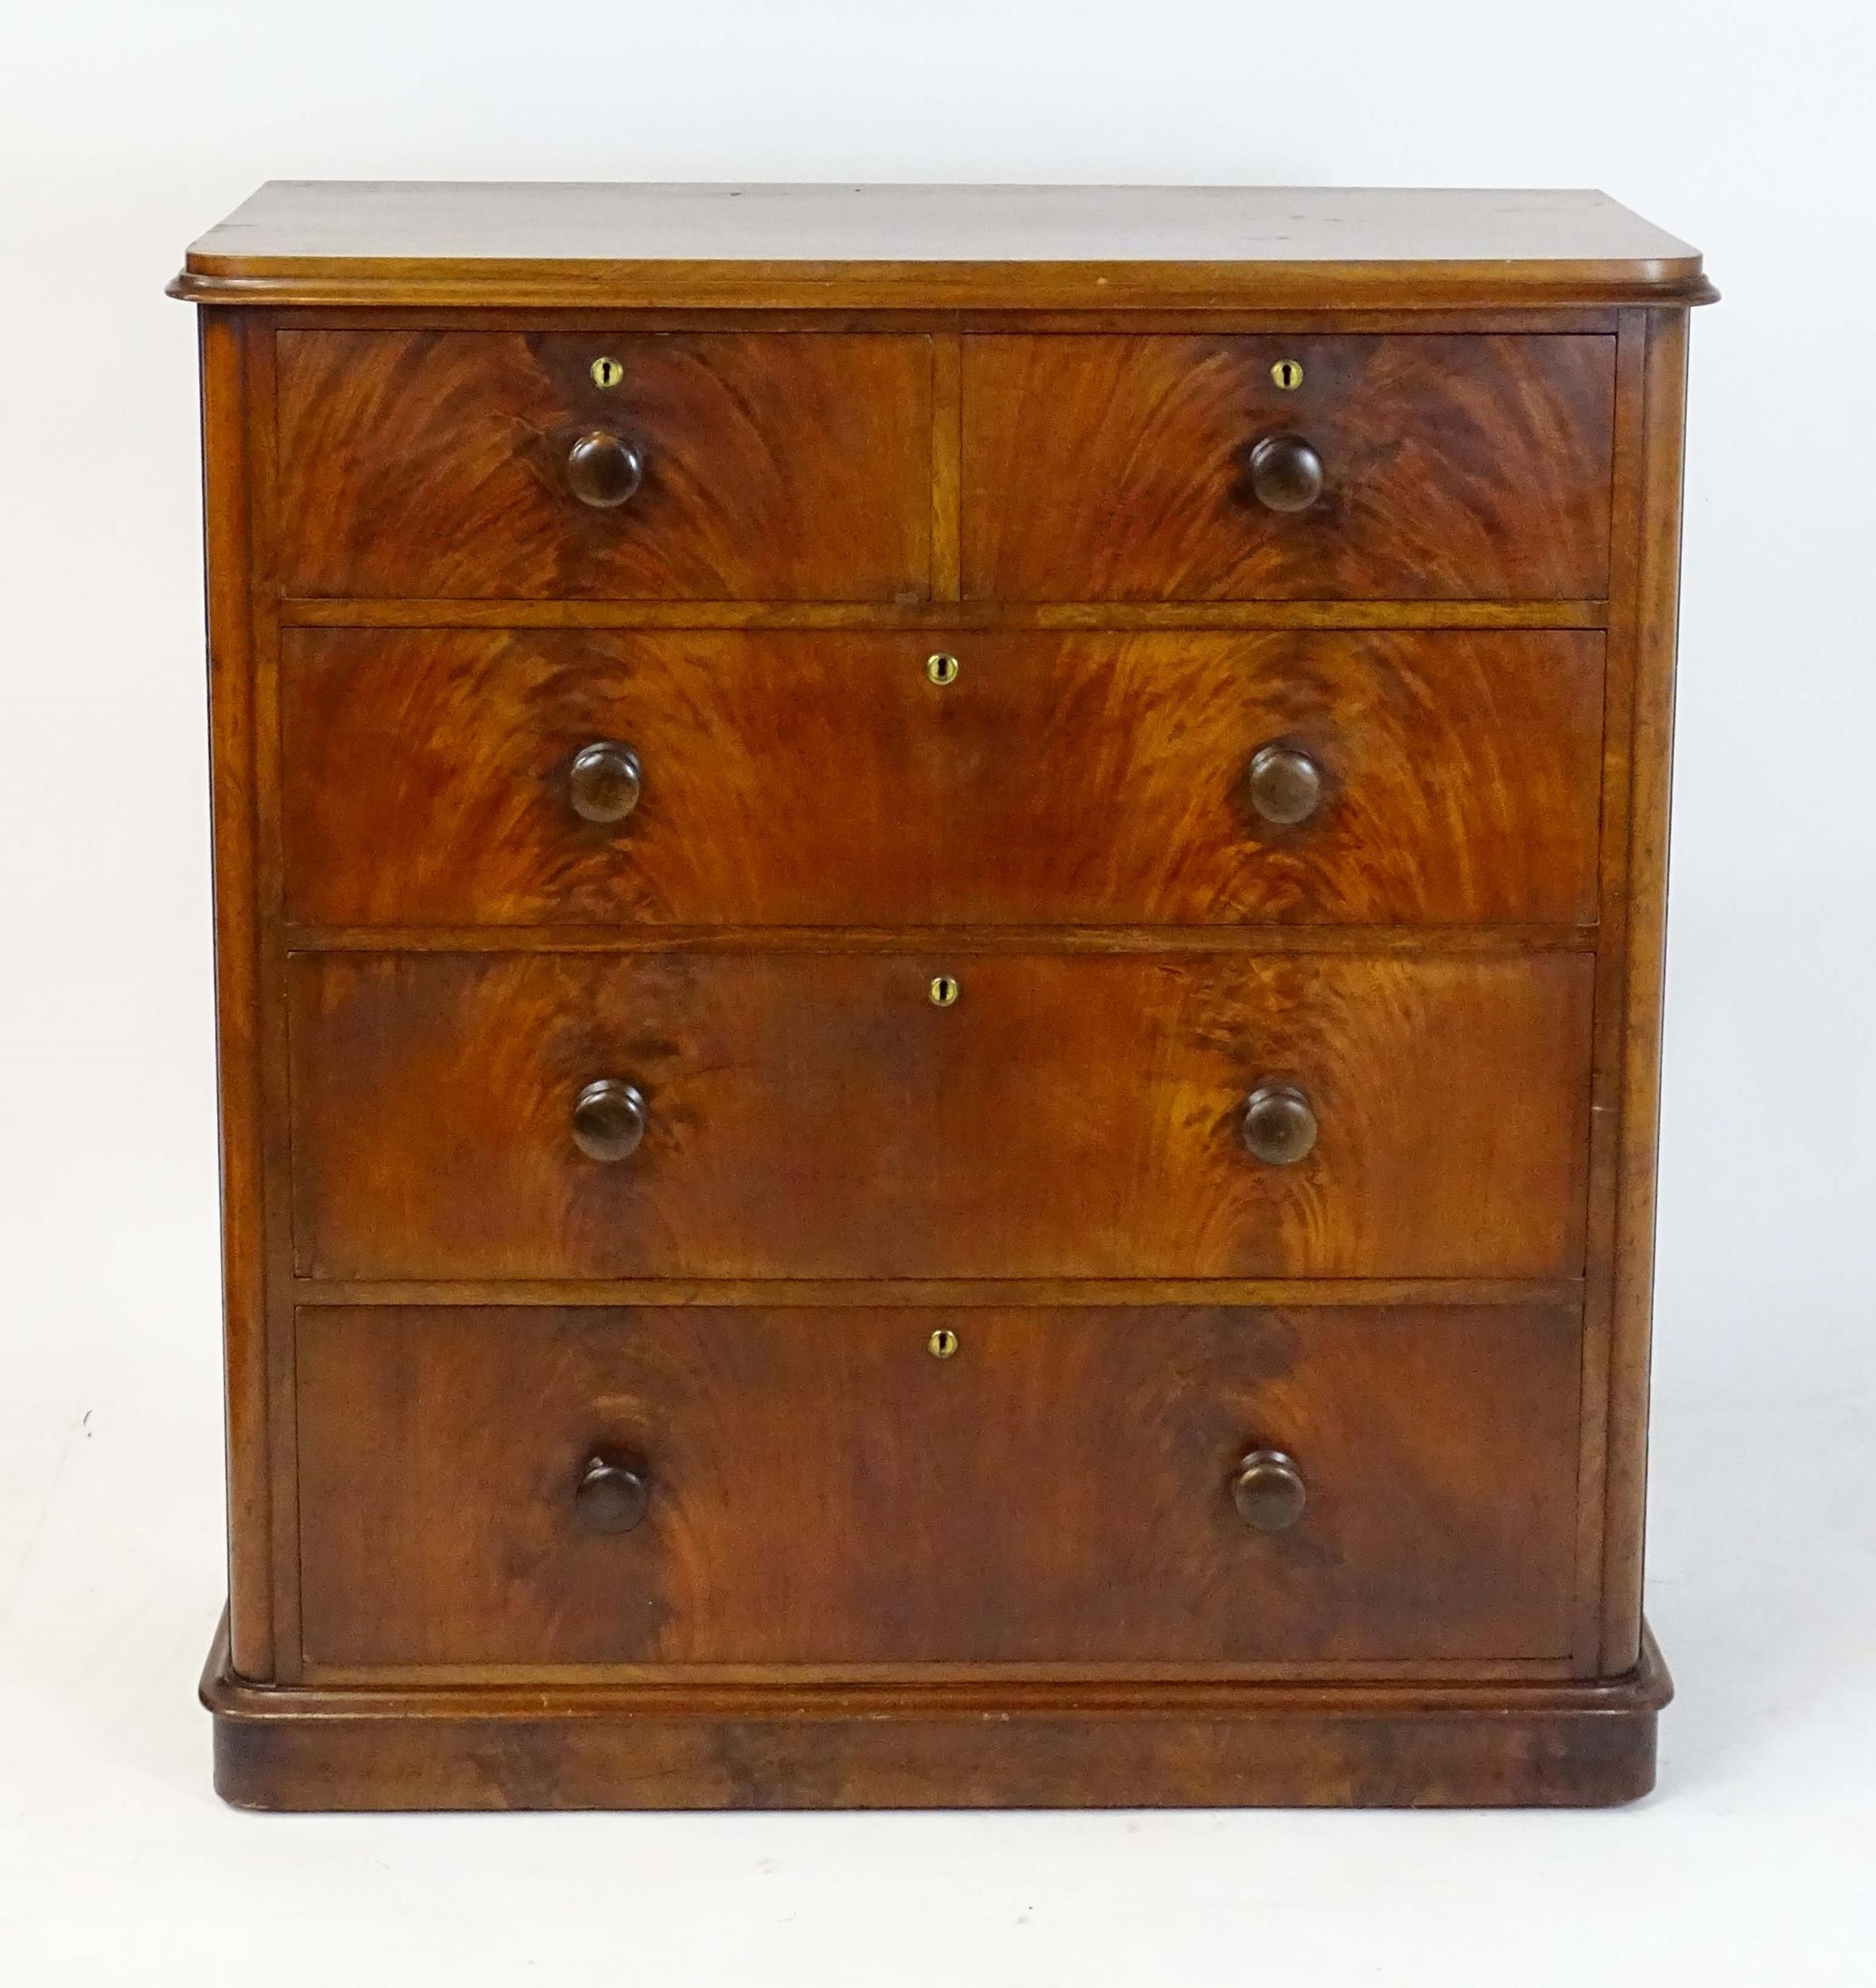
939, 922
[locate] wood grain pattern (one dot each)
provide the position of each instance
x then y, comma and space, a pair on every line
1115, 468
823, 1491
946, 616
1627, 506
379, 243
1013, 424
905, 1744
783, 468
1391, 941
1267, 1293
273, 1131
821, 780
818, 1116
1656, 609
238, 940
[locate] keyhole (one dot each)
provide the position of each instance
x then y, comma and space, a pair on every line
941, 1344
942, 669
943, 990
607, 372
1287, 374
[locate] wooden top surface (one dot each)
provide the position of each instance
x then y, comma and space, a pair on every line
457, 244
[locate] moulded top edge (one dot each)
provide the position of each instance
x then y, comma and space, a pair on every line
339, 243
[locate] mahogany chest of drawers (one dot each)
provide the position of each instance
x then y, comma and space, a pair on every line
939, 925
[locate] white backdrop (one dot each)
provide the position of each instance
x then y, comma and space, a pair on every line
126, 129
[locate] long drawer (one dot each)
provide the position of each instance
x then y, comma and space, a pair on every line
526, 776
543, 1487
1220, 468
715, 466
733, 1115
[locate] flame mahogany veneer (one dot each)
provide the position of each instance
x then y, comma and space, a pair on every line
939, 922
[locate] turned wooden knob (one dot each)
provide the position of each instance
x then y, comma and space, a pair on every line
1284, 785
1286, 473
1268, 1490
609, 1120
605, 781
611, 1496
602, 470
1278, 1127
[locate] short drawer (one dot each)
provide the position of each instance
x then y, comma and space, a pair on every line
821, 1116
439, 777
713, 466
1411, 467
542, 1487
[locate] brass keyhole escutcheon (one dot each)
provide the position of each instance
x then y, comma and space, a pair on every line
942, 669
943, 990
607, 372
942, 1343
1287, 374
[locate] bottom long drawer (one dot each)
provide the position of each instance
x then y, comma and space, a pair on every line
847, 1486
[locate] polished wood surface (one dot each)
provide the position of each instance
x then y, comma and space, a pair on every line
607, 1121
1379, 1743
1268, 1491
1285, 471
241, 1054
946, 616
816, 1116
777, 467
825, 779
1279, 1124
932, 906
842, 246
1122, 468
1044, 1495
1630, 1270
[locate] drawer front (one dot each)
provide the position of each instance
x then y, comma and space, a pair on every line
813, 1486
437, 777
807, 1115
440, 464
1120, 469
